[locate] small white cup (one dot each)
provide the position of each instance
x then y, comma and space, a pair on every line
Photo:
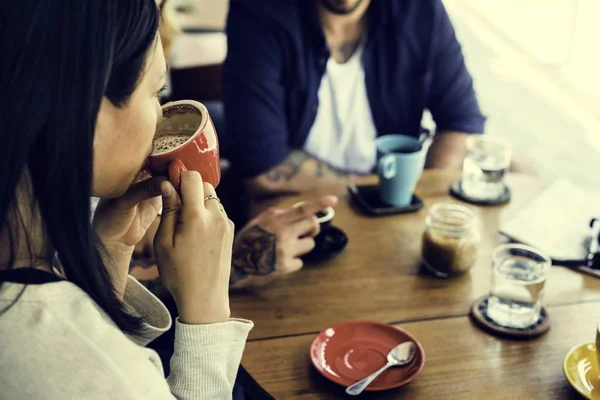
329, 214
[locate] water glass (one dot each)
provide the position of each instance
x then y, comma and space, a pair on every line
484, 167
518, 280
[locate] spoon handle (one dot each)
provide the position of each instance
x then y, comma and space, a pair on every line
358, 387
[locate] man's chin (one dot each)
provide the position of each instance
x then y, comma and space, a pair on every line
340, 7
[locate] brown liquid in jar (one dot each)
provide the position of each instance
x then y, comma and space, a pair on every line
450, 255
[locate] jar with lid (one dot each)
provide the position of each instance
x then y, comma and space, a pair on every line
451, 240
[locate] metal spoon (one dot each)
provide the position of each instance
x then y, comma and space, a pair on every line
400, 355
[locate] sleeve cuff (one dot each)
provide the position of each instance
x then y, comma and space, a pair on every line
235, 330
145, 305
206, 358
472, 125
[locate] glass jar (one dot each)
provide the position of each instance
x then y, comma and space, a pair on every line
451, 240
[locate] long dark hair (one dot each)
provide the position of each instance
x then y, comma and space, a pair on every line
59, 58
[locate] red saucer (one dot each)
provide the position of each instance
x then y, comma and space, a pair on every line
349, 351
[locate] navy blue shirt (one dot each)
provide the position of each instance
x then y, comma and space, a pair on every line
277, 56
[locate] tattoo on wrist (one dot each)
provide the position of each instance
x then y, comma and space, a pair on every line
293, 164
320, 169
254, 254
323, 169
289, 168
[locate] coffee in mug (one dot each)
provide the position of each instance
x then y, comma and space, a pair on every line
168, 143
185, 139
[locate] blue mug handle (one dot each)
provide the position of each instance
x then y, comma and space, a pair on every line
387, 167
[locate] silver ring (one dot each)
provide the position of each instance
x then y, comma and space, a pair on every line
211, 197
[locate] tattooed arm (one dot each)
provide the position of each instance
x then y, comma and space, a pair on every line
253, 256
299, 172
273, 243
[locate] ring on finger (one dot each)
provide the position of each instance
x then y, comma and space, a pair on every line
212, 197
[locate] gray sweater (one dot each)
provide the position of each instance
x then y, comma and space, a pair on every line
56, 343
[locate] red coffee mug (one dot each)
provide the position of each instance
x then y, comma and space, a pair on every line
198, 153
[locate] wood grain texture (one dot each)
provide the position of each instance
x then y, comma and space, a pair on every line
461, 362
378, 276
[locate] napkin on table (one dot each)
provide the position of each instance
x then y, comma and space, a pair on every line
556, 221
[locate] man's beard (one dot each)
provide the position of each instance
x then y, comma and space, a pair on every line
337, 6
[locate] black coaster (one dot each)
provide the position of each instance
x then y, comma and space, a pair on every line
366, 197
456, 191
328, 244
479, 317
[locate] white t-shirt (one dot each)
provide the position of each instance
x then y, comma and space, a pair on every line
343, 134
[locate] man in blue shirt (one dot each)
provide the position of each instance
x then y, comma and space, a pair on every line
309, 85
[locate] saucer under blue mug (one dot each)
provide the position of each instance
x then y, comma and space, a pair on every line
367, 198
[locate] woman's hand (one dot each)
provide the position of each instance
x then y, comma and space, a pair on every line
122, 222
193, 247
144, 250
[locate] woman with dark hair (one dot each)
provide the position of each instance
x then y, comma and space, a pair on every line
80, 80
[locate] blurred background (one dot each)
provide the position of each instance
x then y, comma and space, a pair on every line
536, 65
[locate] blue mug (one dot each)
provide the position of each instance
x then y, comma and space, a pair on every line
400, 162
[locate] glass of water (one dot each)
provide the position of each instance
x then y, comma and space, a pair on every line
518, 279
484, 167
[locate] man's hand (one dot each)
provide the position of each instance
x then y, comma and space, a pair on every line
272, 243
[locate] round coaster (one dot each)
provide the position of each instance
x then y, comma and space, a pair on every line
479, 317
456, 191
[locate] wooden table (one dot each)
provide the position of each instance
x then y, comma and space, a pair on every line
461, 362
378, 278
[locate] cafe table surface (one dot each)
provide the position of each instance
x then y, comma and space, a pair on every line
461, 362
378, 276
